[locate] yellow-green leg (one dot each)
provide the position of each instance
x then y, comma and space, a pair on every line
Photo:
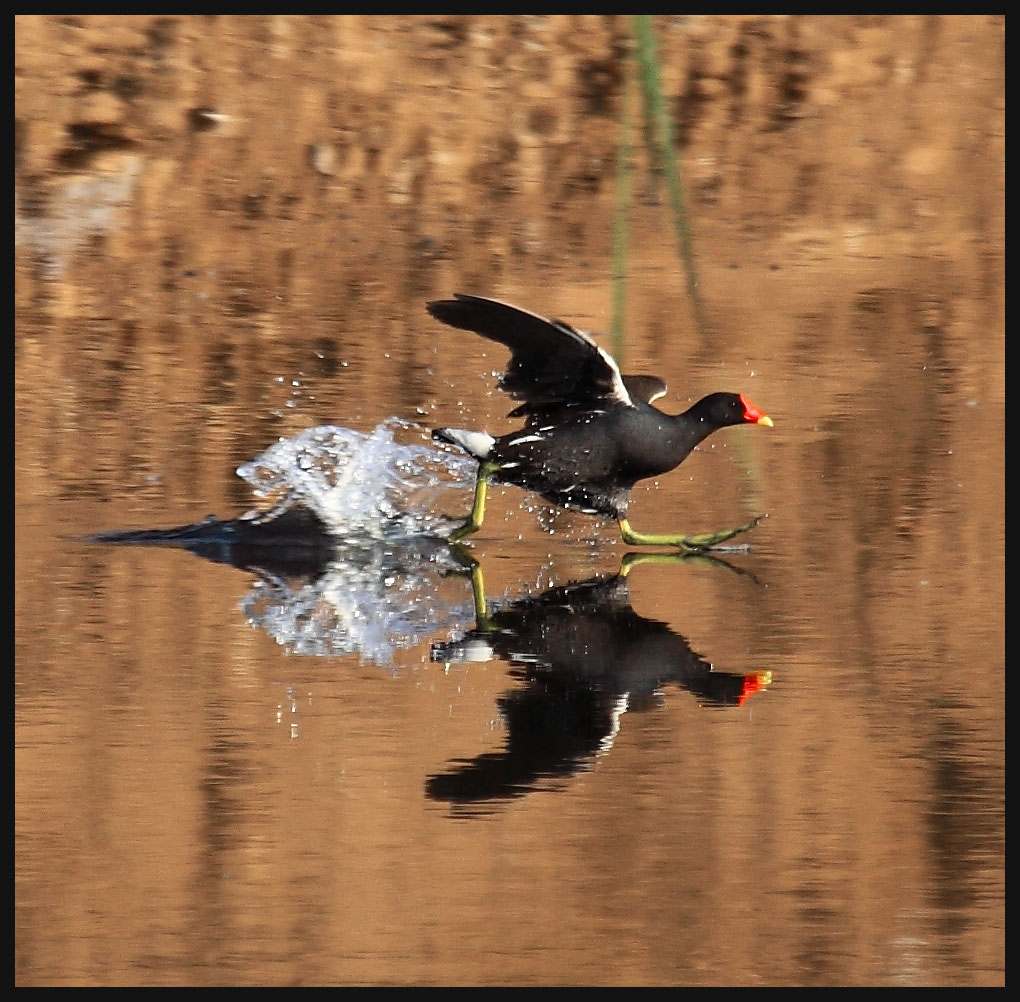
474, 521
692, 544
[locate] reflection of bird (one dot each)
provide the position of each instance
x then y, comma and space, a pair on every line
590, 433
586, 657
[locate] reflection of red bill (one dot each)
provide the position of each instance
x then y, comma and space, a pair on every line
754, 683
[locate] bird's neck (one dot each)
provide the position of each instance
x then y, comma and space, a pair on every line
666, 444
690, 428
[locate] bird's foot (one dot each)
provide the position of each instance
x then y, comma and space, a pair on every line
697, 543
463, 531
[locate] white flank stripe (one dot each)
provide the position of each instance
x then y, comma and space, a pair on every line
620, 393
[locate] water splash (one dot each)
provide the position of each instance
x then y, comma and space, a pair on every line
387, 483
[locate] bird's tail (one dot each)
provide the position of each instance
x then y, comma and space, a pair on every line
474, 443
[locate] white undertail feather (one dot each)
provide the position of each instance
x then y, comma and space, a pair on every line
474, 443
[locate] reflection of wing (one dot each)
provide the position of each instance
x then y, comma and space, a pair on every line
552, 364
552, 734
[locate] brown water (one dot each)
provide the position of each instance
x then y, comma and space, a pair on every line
198, 803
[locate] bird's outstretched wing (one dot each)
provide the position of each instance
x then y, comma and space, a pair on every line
646, 388
552, 365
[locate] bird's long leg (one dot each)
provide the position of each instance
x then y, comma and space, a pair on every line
690, 544
474, 520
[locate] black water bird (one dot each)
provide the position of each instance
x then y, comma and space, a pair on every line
590, 433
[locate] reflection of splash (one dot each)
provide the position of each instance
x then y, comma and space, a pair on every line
319, 596
371, 602
360, 484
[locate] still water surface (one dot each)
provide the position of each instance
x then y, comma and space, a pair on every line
785, 768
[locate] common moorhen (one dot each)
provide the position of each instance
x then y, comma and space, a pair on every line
590, 433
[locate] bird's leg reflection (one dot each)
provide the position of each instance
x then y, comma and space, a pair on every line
477, 583
631, 560
689, 544
484, 622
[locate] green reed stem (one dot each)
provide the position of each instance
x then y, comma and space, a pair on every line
623, 173
657, 115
